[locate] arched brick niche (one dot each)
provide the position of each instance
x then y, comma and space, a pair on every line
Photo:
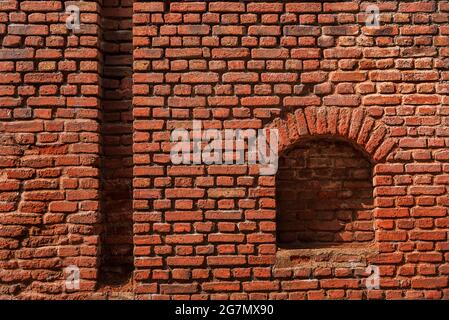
324, 184
324, 190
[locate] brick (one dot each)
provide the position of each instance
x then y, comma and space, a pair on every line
391, 212
303, 7
40, 6
383, 100
223, 6
348, 76
342, 100
345, 53
350, 30
16, 54
24, 29
149, 7
199, 77
228, 30
82, 53
264, 7
417, 7
226, 193
309, 53
260, 101
183, 53
260, 286
221, 286
43, 78
340, 7
63, 206
226, 53
178, 288
339, 283
299, 285
269, 53
183, 216
185, 261
188, 7
193, 30
429, 212
429, 283
241, 77
422, 168
226, 260
186, 102
302, 101
25, 126
279, 77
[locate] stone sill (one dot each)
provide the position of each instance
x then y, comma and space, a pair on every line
332, 255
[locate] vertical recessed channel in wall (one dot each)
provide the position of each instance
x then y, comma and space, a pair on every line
117, 240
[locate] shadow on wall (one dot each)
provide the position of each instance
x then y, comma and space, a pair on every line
117, 240
324, 191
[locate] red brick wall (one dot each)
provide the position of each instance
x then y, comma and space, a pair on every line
50, 148
308, 69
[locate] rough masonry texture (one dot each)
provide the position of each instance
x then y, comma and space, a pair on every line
86, 178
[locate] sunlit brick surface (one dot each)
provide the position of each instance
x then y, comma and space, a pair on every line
86, 178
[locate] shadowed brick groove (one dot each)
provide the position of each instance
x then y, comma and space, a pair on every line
117, 262
313, 70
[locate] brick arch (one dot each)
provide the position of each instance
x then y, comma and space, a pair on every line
355, 125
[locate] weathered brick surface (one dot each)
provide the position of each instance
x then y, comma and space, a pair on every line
307, 69
50, 148
85, 121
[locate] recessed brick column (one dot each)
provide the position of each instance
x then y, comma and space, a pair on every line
117, 236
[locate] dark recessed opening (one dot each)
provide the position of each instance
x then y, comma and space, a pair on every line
117, 165
324, 193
